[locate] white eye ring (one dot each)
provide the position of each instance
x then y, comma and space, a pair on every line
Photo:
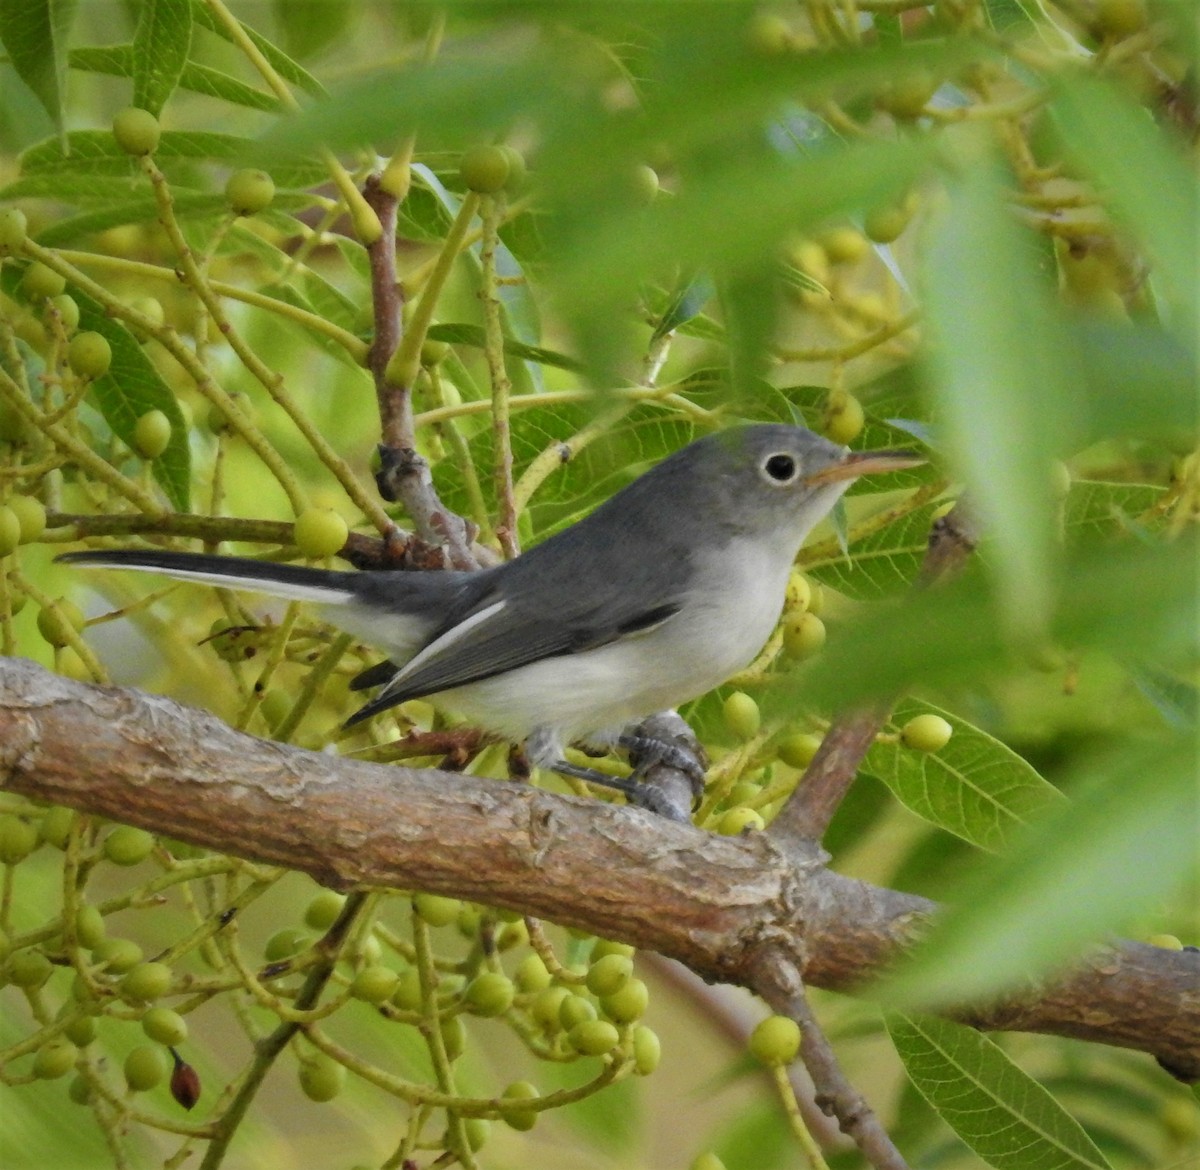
780, 468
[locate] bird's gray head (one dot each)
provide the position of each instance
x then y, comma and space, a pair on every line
781, 479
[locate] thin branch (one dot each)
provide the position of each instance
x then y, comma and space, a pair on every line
783, 990
828, 777
717, 904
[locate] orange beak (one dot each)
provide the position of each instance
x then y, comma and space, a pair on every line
859, 463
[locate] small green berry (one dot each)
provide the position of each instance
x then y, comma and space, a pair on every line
776, 1040
843, 418
477, 1129
885, 224
907, 96
433, 352
31, 515
164, 1026
573, 1010
517, 170
768, 34
454, 1036
321, 1077
41, 282
1168, 942
742, 716
68, 312
126, 845
249, 191
593, 1037
54, 1060
547, 1006
81, 1031
79, 1091
707, 1161
145, 1067
53, 623
643, 183
320, 532
407, 996
10, 531
797, 751
803, 634
484, 169
799, 593
926, 733
89, 355
136, 130
18, 839
322, 911
13, 229
514, 1117
845, 245
531, 975
436, 910
608, 946
489, 994
146, 982
627, 1004
284, 944
89, 927
29, 969
218, 420
609, 974
117, 955
152, 434
1118, 19
374, 984
647, 1050
740, 820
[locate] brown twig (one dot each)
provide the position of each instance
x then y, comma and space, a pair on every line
782, 988
387, 302
828, 777
403, 473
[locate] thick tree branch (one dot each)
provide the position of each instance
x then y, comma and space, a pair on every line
727, 908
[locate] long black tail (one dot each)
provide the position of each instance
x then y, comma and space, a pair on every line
294, 582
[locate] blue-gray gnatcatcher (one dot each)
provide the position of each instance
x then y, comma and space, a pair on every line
660, 594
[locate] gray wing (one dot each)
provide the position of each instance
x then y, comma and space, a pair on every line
500, 634
583, 588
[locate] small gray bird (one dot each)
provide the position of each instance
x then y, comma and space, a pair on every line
659, 595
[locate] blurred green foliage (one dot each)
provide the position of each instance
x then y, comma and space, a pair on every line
976, 217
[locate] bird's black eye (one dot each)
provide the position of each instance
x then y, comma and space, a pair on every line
780, 468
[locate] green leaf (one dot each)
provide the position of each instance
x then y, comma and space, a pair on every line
308, 26
1138, 380
67, 231
161, 43
132, 387
34, 34
1126, 597
1001, 1112
707, 224
1012, 17
288, 69
117, 60
1125, 841
95, 152
682, 305
983, 292
1112, 138
879, 565
975, 787
1098, 511
473, 335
